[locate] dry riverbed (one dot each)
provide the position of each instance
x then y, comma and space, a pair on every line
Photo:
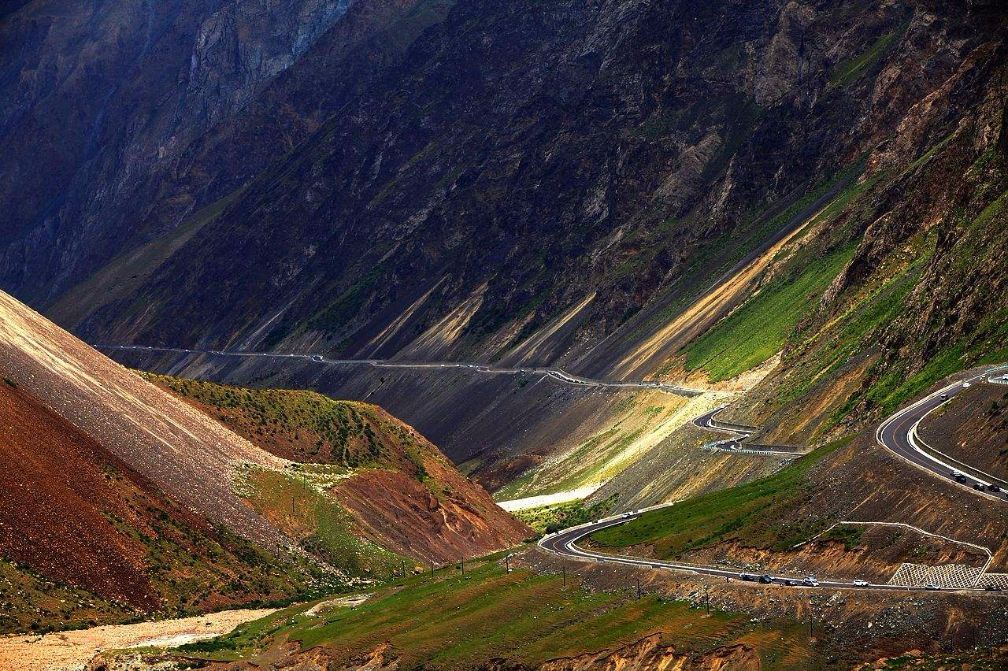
72, 650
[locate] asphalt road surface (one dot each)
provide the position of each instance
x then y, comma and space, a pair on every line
554, 373
564, 544
899, 434
736, 434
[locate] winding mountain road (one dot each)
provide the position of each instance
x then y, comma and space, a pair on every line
556, 374
899, 434
564, 544
736, 433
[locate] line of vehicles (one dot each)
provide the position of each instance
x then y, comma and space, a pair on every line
962, 478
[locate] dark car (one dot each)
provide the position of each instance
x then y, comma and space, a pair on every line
977, 486
765, 579
993, 488
791, 583
992, 588
749, 576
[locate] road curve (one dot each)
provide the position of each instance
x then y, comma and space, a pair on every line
736, 434
899, 434
564, 544
556, 374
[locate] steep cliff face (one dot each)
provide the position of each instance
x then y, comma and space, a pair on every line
552, 182
100, 101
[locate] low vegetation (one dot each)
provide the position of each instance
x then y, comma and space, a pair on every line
296, 503
758, 330
745, 513
450, 621
548, 519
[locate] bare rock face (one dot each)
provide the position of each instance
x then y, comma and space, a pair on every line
650, 653
106, 96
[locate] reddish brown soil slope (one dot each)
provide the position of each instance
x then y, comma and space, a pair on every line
58, 488
973, 428
187, 455
438, 515
405, 495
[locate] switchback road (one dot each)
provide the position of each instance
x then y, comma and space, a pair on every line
564, 544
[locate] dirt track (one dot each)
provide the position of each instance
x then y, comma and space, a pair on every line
71, 650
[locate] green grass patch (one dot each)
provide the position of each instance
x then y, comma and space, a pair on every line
448, 621
759, 328
324, 527
548, 519
848, 71
746, 512
847, 534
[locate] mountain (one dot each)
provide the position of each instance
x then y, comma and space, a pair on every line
122, 497
115, 94
400, 490
565, 178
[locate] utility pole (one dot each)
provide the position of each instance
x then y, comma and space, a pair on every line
810, 618
707, 594
507, 563
563, 568
638, 587
462, 565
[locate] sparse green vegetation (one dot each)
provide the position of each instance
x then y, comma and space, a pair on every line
455, 622
325, 529
760, 327
315, 427
847, 534
847, 71
549, 519
745, 512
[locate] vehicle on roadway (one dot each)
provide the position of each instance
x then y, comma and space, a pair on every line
931, 586
860, 583
765, 579
749, 577
977, 486
944, 397
993, 487
810, 581
317, 357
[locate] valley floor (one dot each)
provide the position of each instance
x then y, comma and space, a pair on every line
72, 650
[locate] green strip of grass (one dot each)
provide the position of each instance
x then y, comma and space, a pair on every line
745, 512
448, 621
757, 330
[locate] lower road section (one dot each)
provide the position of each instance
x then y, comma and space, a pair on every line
564, 544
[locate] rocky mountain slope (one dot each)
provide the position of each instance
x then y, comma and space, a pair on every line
647, 148
400, 490
119, 497
114, 94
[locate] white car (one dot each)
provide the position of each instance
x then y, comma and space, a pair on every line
810, 581
860, 583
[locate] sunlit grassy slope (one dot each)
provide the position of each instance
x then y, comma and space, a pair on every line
453, 622
746, 512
